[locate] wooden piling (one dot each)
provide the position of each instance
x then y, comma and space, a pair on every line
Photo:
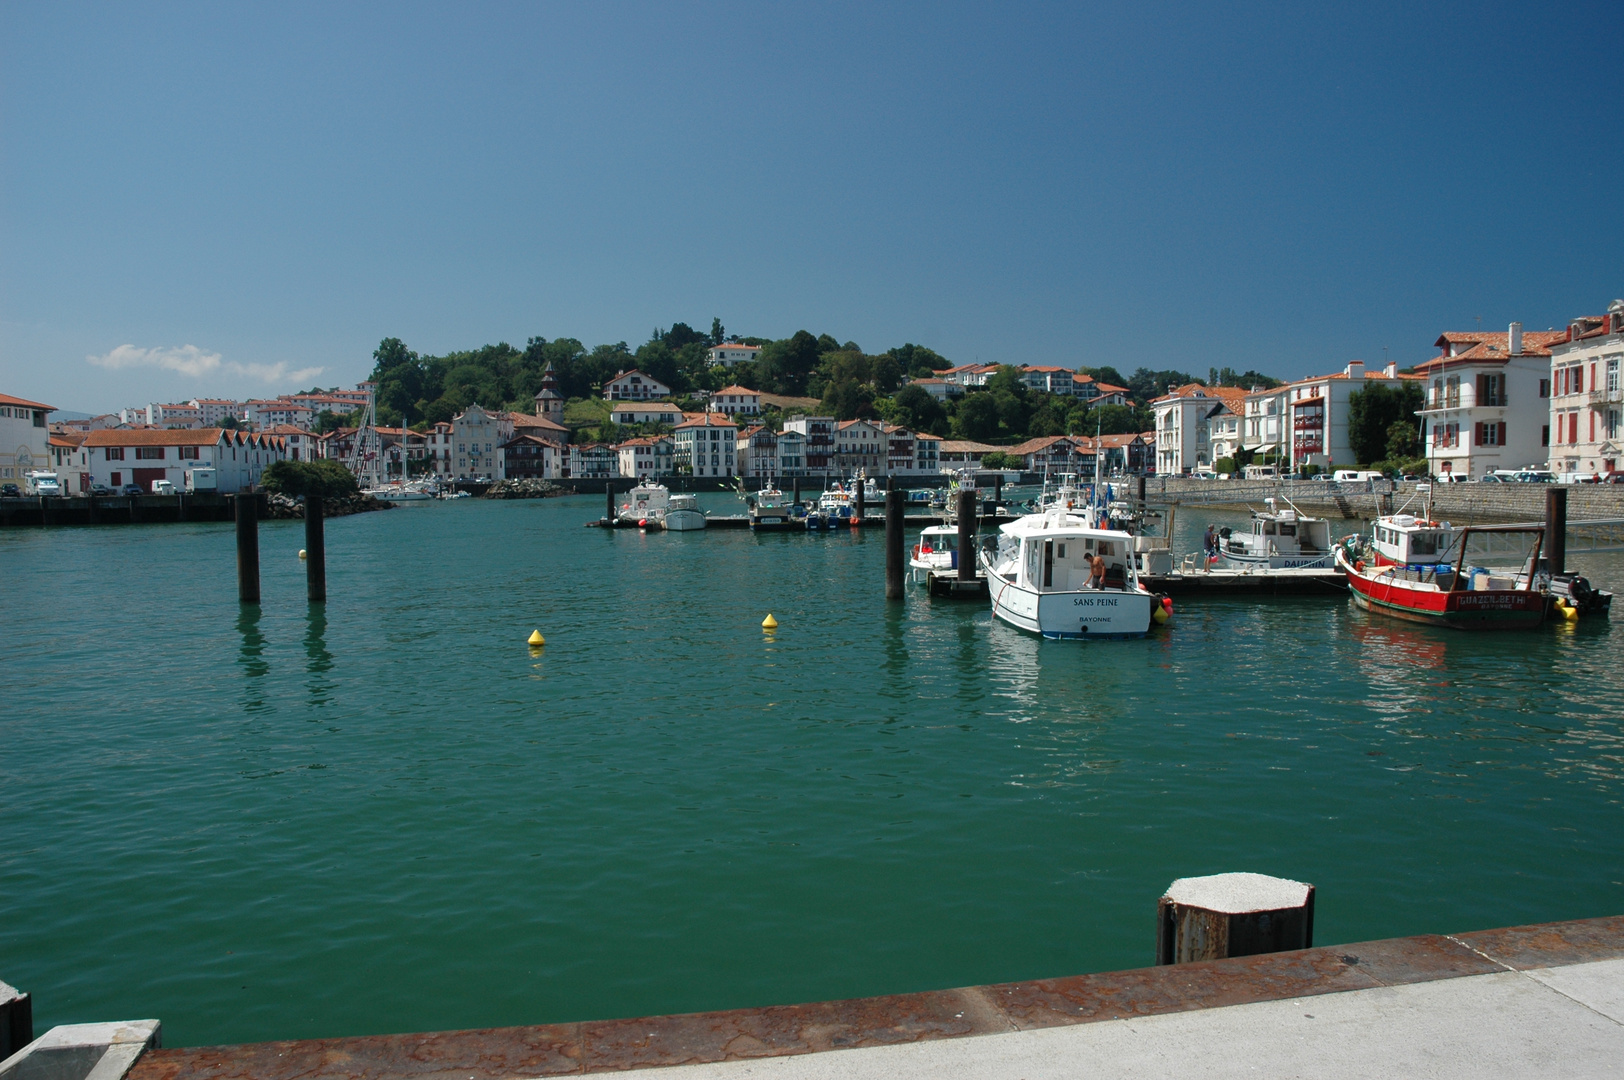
862, 506
967, 532
247, 509
1224, 915
609, 501
894, 565
997, 492
1556, 529
315, 550
797, 491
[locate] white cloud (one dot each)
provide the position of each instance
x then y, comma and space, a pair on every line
190, 360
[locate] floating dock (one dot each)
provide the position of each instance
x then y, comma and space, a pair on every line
1308, 582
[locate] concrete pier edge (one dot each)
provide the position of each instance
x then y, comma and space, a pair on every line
781, 1030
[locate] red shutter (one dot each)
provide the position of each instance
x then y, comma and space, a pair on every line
1502, 433
1477, 433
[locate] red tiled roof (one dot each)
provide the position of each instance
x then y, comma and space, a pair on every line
65, 439
7, 399
709, 420
1107, 388
736, 345
1494, 346
1231, 396
154, 437
736, 390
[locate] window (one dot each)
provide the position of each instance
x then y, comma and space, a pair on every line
1491, 434
1545, 388
1545, 435
149, 453
115, 453
188, 452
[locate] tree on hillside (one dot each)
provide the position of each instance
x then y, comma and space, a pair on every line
718, 334
785, 366
918, 362
1373, 411
1108, 375
916, 409
976, 417
1147, 384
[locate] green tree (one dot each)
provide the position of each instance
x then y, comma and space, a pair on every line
1373, 411
915, 408
1116, 420
997, 459
326, 478
918, 362
717, 334
1403, 441
785, 366
976, 417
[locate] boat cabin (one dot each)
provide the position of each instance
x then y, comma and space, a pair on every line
1058, 561
1405, 540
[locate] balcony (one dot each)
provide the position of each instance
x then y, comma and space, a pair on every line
1603, 397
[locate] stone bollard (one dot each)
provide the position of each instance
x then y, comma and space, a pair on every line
1224, 915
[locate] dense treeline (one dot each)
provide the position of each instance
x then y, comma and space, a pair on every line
849, 382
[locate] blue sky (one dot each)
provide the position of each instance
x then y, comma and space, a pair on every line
275, 188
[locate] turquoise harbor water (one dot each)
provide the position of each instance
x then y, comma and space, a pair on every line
388, 816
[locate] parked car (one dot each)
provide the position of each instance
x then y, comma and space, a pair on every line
1494, 478
100, 489
130, 489
10, 491
1613, 478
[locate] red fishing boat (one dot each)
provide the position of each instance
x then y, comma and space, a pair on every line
1416, 568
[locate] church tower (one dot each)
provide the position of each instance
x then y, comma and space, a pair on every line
549, 402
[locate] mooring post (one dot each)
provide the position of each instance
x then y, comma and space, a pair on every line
16, 1020
997, 492
1556, 529
894, 566
609, 502
1224, 915
44, 512
315, 550
797, 491
247, 507
1141, 489
862, 507
967, 532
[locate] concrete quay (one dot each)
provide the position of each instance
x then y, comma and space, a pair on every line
1544, 1000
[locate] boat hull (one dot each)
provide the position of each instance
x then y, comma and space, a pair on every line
1104, 613
1460, 609
684, 520
1238, 561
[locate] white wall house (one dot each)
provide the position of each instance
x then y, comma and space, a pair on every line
646, 412
732, 354
211, 411
594, 461
634, 386
860, 444
185, 414
24, 436
440, 443
957, 454
1263, 426
736, 401
757, 455
302, 445
530, 457
1487, 401
1185, 422
927, 453
650, 455
120, 456
71, 463
706, 446
270, 413
476, 442
1587, 395
791, 453
1317, 413
940, 389
819, 435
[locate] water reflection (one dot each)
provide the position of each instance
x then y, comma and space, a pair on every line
318, 660
251, 656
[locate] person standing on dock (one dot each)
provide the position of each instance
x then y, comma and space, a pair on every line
1209, 544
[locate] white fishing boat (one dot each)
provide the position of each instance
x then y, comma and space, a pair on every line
682, 514
1042, 577
645, 506
937, 552
1279, 539
400, 493
770, 510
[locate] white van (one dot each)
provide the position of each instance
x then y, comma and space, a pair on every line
1262, 472
201, 479
1356, 476
162, 487
41, 482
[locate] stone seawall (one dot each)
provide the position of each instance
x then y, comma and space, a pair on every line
1463, 503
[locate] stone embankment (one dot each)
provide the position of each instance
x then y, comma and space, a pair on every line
524, 489
1462, 503
286, 506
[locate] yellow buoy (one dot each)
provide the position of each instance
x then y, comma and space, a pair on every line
302, 553
536, 640
769, 623
1569, 612
1159, 614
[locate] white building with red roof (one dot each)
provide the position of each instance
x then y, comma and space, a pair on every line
732, 354
120, 456
71, 462
1487, 401
1187, 419
706, 445
24, 438
736, 401
1316, 417
633, 385
647, 455
1587, 395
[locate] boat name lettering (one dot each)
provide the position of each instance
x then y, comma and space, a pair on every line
1095, 601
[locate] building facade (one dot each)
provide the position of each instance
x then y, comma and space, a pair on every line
1185, 418
706, 446
594, 461
529, 457
819, 446
476, 442
1487, 402
736, 401
1586, 419
651, 455
634, 386
731, 354
1316, 416
24, 438
119, 456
